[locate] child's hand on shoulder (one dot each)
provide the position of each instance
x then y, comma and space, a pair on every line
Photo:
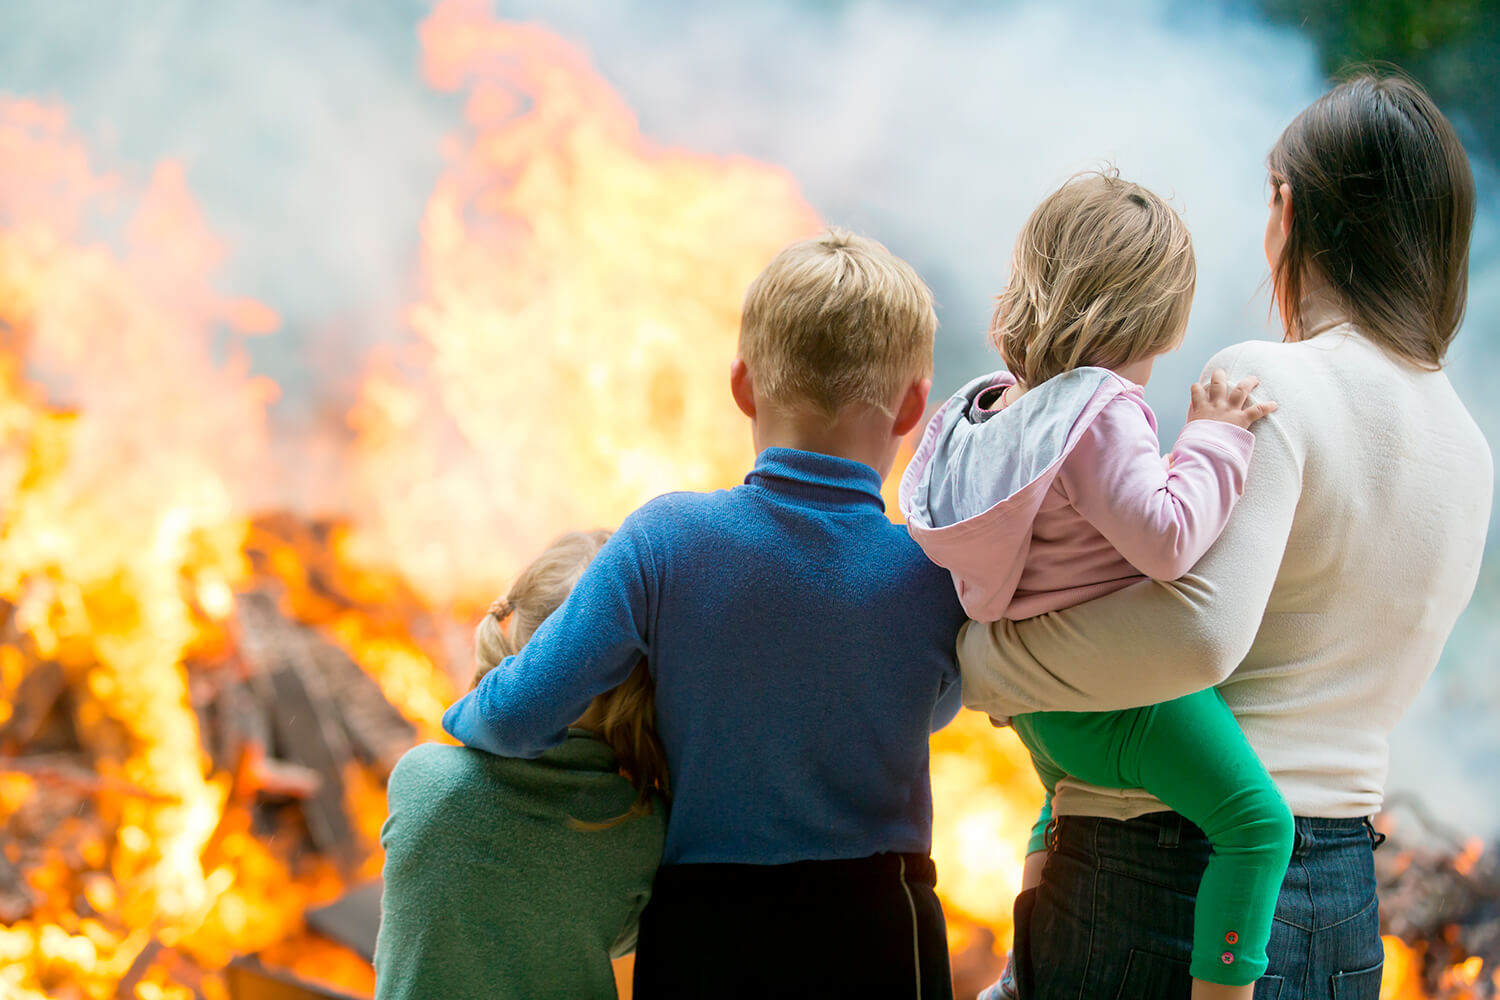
1218, 401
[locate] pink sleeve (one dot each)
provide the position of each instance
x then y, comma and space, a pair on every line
1160, 519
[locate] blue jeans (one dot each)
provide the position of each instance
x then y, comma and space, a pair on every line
1113, 917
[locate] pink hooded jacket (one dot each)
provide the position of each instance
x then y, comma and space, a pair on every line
1063, 495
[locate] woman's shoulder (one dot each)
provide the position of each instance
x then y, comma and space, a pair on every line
1272, 354
1337, 355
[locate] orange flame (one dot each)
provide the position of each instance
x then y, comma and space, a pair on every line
582, 294
124, 448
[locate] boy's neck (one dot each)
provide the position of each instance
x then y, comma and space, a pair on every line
860, 433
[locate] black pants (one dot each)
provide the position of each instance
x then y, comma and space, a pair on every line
868, 928
1113, 917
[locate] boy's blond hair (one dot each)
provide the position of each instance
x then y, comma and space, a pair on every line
625, 716
1103, 275
834, 320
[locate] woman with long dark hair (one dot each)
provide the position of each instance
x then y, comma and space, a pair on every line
1322, 609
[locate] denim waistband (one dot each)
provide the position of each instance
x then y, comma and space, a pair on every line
1172, 830
1330, 823
1313, 830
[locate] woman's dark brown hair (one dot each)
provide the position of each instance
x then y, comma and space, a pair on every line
1382, 208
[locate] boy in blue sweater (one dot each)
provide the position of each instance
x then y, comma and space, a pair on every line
802, 648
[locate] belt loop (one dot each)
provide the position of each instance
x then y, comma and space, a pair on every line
1302, 840
1049, 835
1169, 835
1376, 837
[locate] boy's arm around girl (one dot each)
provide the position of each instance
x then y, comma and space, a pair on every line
588, 646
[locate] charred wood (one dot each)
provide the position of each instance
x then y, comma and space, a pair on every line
38, 691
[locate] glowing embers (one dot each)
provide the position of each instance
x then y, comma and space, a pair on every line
1440, 910
129, 433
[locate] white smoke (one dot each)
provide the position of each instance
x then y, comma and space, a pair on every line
313, 143
306, 134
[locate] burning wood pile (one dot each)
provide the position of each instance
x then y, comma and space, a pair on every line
1439, 907
302, 738
298, 737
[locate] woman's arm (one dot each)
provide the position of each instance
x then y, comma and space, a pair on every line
1152, 641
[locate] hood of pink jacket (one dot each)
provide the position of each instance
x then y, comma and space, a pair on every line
972, 491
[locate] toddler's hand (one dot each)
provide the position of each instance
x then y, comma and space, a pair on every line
1217, 401
1003, 988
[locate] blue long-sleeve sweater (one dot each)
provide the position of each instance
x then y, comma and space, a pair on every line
803, 650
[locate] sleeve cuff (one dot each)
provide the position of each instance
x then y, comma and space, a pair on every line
1235, 442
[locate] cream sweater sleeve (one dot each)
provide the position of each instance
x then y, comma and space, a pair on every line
1153, 641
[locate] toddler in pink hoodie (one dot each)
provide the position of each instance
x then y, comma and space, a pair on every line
1043, 486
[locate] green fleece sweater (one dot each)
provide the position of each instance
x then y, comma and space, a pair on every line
491, 892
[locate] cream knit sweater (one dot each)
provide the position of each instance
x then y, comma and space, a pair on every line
1321, 610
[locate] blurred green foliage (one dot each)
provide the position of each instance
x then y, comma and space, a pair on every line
1451, 46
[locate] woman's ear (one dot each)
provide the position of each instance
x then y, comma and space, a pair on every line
1285, 191
913, 404
742, 387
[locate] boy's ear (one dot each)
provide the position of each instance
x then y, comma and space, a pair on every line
913, 404
742, 387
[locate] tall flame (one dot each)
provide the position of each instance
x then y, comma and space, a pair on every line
124, 450
582, 295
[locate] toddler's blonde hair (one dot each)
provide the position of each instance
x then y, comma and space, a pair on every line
834, 320
1103, 274
624, 717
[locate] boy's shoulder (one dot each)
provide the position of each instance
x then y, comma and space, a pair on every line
678, 510
674, 522
716, 511
703, 529
721, 514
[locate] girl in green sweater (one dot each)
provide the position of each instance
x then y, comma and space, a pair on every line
523, 878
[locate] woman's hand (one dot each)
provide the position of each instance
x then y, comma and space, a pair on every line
1217, 401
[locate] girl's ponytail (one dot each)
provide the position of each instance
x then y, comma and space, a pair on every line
491, 644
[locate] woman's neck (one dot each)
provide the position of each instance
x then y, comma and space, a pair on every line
1321, 309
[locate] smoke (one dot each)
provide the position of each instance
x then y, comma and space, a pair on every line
304, 131
312, 143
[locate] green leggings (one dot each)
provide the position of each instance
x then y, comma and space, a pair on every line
1191, 754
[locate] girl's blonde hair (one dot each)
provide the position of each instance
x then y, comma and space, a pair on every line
1103, 274
624, 717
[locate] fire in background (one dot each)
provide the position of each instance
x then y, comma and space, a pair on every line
579, 299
